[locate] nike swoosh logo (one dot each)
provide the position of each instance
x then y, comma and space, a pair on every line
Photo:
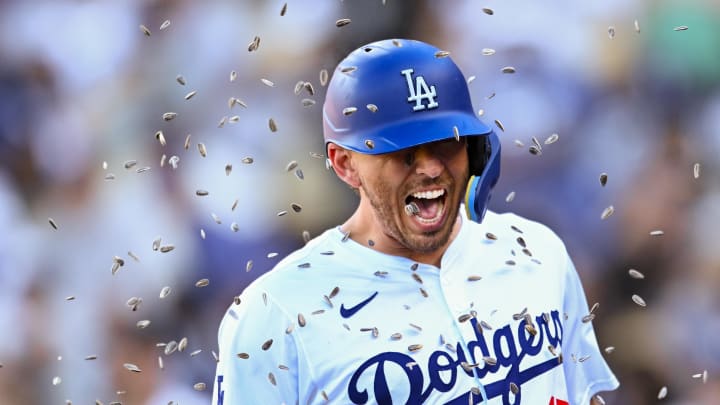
348, 312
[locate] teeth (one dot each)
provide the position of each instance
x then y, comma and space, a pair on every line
429, 195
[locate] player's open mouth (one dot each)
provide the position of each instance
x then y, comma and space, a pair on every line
426, 207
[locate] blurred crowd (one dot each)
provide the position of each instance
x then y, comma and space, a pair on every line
98, 215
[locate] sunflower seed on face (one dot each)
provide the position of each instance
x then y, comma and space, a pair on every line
681, 28
323, 77
603, 179
190, 95
267, 344
203, 282
552, 139
272, 125
132, 367
145, 30
500, 125
168, 116
247, 160
349, 110
662, 393
638, 300
607, 212
372, 107
142, 324
415, 347
301, 320
508, 70
342, 22
657, 233
254, 45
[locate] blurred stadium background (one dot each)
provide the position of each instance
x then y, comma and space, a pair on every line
81, 85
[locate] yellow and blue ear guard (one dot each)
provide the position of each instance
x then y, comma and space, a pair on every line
395, 94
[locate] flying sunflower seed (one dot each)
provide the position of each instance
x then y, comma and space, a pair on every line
199, 386
267, 82
145, 30
190, 95
296, 207
160, 137
70, 298
372, 107
130, 164
180, 79
234, 119
323, 77
201, 193
491, 236
254, 45
267, 344
306, 236
132, 367
342, 22
195, 352
609, 349
307, 102
168, 116
534, 150
174, 160
247, 160
243, 356
369, 144
271, 378
611, 32
607, 212
510, 197
170, 348
488, 11
53, 223
202, 234
164, 25
272, 125
283, 10
349, 110
657, 233
56, 380
165, 291
91, 357
166, 248
348, 69
588, 318
488, 51
470, 79
222, 122
500, 125
162, 160
552, 139
202, 149
681, 28
638, 300
142, 324
508, 70
309, 87
234, 227
662, 393
301, 320
248, 266
282, 213
696, 170
603, 179
637, 26
233, 76
415, 347
228, 169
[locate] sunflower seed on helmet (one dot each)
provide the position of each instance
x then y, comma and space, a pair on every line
456, 133
349, 110
202, 283
657, 233
508, 70
165, 291
145, 30
348, 69
132, 367
681, 28
254, 45
272, 125
201, 193
372, 107
369, 144
500, 125
488, 51
180, 79
247, 160
510, 197
323, 77
307, 102
603, 179
552, 139
342, 22
415, 347
662, 393
607, 212
169, 116
301, 320
142, 324
638, 300
190, 95
267, 344
166, 248
442, 54
56, 380
637, 26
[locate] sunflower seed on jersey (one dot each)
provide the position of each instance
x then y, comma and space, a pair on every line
381, 274
267, 344
247, 160
342, 22
500, 125
464, 318
638, 300
180, 79
490, 236
323, 77
243, 356
190, 95
423, 292
662, 393
681, 28
283, 10
417, 278
142, 324
442, 54
510, 262
514, 388
490, 361
415, 347
290, 329
508, 70
349, 110
237, 300
145, 30
552, 139
520, 315
301, 320
396, 336
168, 116
271, 378
607, 212
132, 367
603, 179
282, 213
254, 45
372, 107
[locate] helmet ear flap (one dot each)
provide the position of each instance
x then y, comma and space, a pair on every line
484, 162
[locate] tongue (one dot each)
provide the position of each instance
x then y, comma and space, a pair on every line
428, 208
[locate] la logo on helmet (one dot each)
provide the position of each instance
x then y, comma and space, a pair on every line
420, 91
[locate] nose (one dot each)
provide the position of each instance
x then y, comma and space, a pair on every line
427, 163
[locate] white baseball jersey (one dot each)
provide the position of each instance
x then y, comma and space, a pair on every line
338, 322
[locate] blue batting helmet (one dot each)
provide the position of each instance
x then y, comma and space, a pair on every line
395, 94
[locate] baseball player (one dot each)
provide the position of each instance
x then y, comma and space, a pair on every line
421, 296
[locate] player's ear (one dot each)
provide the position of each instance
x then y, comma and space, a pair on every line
343, 164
